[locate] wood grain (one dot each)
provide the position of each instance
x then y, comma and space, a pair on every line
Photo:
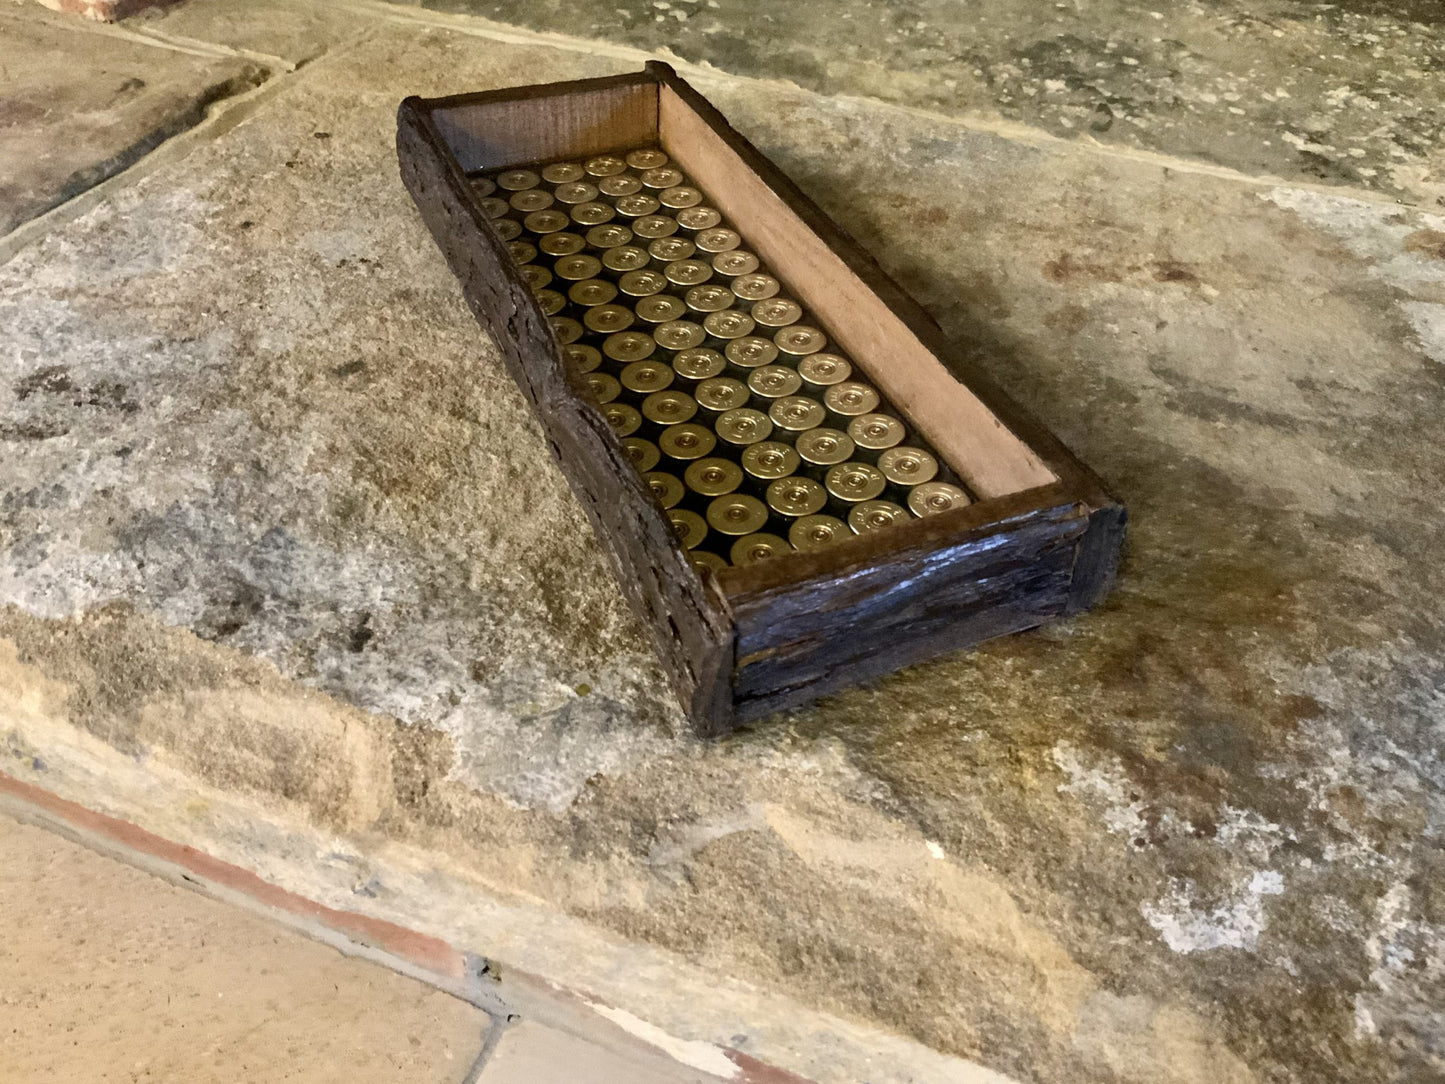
530, 125
796, 641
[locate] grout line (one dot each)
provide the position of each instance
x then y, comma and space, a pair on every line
465, 976
464, 988
155, 36
476, 26
491, 1039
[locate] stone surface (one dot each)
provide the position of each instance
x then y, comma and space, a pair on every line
530, 1053
107, 974
78, 105
291, 32
1345, 93
250, 536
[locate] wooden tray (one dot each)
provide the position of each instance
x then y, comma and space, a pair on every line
1042, 541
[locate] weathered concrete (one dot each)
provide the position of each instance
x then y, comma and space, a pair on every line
250, 435
111, 975
1345, 93
78, 105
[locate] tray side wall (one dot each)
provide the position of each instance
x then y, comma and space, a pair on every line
684, 613
540, 124
800, 641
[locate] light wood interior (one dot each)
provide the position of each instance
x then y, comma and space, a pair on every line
976, 444
544, 127
550, 125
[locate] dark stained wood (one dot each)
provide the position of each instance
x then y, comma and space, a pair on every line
684, 613
1098, 561
795, 636
779, 634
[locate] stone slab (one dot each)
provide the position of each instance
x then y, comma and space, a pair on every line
107, 974
250, 535
284, 29
78, 105
1345, 93
530, 1053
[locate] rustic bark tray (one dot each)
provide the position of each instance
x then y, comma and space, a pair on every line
1042, 540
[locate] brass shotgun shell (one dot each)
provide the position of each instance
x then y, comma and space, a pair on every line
694, 219
691, 528
680, 196
727, 324
699, 363
713, 477
654, 226
576, 192
794, 414
626, 258
608, 235
931, 498
561, 244
646, 377
821, 371
772, 382
875, 516
602, 387
758, 546
854, 482
667, 489
619, 184
796, 495
604, 165
850, 399
734, 262
515, 180
906, 465
823, 447
719, 394
817, 532
687, 441
590, 293
531, 199
718, 239
742, 426
578, 267
563, 173
736, 514
666, 408
624, 419
647, 158
769, 460
641, 452
800, 339
666, 250
876, 432
659, 309
625, 347
606, 319
777, 311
